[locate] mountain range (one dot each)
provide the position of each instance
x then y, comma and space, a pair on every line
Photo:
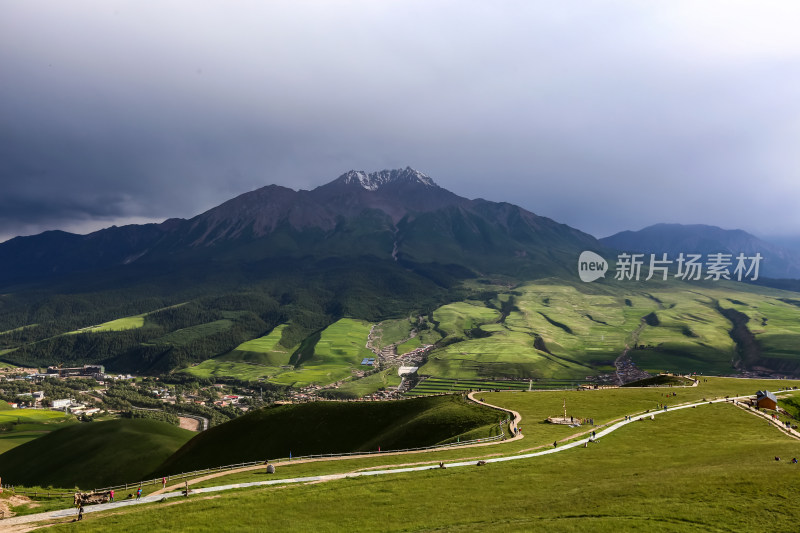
399, 215
673, 239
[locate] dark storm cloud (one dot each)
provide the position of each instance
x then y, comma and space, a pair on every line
606, 116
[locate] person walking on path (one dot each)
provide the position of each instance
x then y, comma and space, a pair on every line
80, 513
111, 495
138, 493
164, 482
555, 443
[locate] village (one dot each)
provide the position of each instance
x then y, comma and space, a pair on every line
89, 392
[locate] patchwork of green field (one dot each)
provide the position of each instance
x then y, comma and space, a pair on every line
258, 358
18, 426
409, 346
445, 385
367, 385
442, 385
561, 330
392, 331
706, 346
340, 348
456, 318
773, 320
214, 368
193, 333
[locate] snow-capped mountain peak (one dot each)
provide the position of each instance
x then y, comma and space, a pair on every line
375, 180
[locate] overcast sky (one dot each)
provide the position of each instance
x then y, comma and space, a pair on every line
602, 115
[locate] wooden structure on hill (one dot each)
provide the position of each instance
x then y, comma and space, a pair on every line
766, 400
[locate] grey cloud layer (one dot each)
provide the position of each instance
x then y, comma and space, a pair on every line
605, 116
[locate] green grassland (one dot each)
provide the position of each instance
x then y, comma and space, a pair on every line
456, 318
18, 329
409, 345
93, 454
340, 348
393, 331
704, 469
562, 330
257, 358
120, 324
18, 426
265, 350
550, 329
193, 333
214, 368
445, 385
367, 385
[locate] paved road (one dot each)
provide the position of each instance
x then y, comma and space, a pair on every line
66, 513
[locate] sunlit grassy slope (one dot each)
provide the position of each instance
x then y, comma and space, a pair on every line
340, 349
561, 330
258, 358
704, 469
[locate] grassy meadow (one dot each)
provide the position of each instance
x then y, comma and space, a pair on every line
120, 324
18, 426
393, 331
257, 358
567, 331
382, 379
704, 469
340, 349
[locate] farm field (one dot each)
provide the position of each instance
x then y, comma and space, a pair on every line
258, 358
192, 333
18, 426
340, 348
568, 331
392, 331
409, 345
213, 368
687, 471
369, 384
445, 385
120, 324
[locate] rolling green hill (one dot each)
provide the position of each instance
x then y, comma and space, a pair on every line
675, 473
333, 427
93, 455
18, 426
563, 330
